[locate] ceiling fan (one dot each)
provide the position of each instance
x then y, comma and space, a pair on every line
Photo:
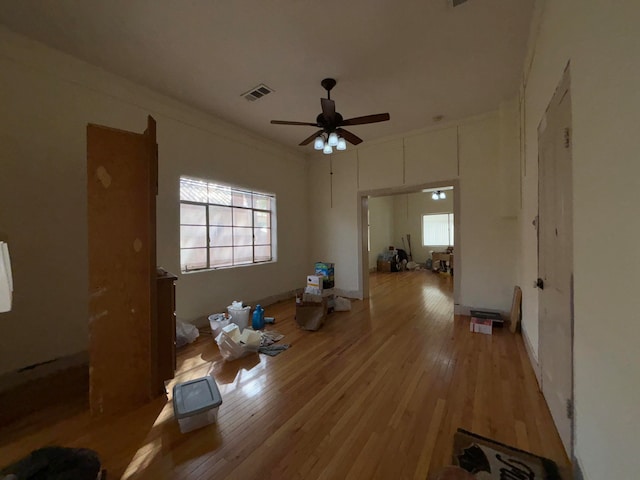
331, 122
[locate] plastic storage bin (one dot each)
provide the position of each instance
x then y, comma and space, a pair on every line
218, 321
196, 403
239, 316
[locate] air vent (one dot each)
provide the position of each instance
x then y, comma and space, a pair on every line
457, 3
257, 92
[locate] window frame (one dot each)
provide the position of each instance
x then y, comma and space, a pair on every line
271, 213
450, 229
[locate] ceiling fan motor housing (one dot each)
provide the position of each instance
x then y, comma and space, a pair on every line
329, 126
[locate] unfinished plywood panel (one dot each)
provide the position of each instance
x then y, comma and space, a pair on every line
380, 165
431, 156
516, 310
121, 189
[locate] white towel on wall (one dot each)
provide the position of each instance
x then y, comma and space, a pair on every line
6, 279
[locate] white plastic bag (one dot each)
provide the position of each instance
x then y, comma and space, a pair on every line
185, 333
234, 345
342, 304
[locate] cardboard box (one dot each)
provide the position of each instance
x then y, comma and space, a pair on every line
327, 270
311, 315
384, 266
315, 281
481, 325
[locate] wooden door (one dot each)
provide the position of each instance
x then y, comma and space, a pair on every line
555, 260
121, 189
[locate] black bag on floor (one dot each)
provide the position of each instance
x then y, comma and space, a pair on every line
56, 463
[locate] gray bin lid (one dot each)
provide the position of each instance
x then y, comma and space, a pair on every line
195, 396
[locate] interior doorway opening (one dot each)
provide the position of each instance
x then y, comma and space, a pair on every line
409, 228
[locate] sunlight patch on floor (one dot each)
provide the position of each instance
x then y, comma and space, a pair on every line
143, 458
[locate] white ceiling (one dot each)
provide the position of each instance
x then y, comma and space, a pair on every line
412, 58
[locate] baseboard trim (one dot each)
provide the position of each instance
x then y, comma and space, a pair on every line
532, 358
351, 294
203, 321
11, 380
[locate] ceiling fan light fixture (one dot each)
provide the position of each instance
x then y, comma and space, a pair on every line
435, 196
342, 144
318, 144
327, 149
442, 195
330, 122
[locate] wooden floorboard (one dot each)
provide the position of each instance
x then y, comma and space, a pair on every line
378, 392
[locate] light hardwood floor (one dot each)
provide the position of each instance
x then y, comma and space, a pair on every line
378, 392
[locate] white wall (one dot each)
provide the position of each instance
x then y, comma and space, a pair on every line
47, 98
409, 209
381, 222
333, 216
468, 151
601, 41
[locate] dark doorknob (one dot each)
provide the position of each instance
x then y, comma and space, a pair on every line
540, 284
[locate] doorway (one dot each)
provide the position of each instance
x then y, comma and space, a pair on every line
405, 201
555, 260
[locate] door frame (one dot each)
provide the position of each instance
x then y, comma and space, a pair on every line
363, 207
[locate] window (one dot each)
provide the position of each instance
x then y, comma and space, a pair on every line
437, 230
221, 226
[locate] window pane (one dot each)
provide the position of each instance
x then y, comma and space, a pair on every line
193, 236
242, 255
193, 190
220, 236
261, 202
219, 195
451, 229
262, 219
193, 214
221, 225
242, 236
436, 230
220, 257
262, 236
241, 199
220, 216
263, 254
241, 217
193, 258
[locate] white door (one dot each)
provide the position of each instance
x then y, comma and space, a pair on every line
555, 260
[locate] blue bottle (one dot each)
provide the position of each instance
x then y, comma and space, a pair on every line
257, 322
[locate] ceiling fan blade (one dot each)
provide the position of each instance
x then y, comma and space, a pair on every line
348, 136
285, 122
379, 117
328, 110
308, 140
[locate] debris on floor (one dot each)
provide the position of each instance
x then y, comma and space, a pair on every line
270, 337
273, 350
234, 345
342, 304
185, 333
